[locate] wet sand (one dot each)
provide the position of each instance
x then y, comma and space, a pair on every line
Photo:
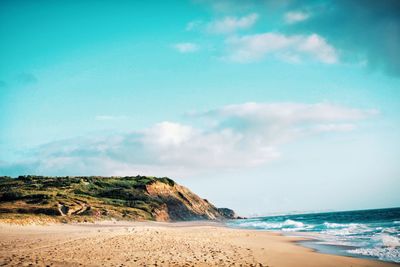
157, 244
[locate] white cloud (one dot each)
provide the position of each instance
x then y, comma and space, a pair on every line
278, 123
186, 47
232, 24
296, 48
295, 17
316, 46
238, 136
167, 134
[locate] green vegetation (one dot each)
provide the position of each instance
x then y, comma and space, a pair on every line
80, 198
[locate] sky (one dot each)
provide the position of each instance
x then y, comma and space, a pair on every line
261, 106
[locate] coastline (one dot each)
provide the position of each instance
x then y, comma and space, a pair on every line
119, 243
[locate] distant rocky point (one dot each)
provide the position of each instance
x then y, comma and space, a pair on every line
101, 198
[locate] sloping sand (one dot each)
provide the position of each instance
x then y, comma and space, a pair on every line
157, 244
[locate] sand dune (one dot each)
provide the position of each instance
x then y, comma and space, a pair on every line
156, 244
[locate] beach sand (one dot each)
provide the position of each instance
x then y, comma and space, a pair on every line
157, 244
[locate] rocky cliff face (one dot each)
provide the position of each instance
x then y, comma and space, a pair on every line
182, 204
96, 198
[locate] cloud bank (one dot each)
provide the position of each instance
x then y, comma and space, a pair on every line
364, 30
234, 136
294, 48
231, 24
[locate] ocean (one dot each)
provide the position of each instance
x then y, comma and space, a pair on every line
363, 233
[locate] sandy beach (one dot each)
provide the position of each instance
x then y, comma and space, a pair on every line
157, 244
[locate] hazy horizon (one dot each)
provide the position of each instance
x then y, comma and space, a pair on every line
260, 106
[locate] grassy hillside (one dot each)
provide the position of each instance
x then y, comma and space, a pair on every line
97, 198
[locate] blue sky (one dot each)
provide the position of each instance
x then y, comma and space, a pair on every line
261, 106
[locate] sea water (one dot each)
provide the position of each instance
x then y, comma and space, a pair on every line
363, 233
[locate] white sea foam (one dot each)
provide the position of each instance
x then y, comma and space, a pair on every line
388, 240
293, 223
334, 225
382, 253
348, 229
385, 247
390, 230
288, 225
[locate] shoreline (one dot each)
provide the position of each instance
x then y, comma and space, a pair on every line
197, 243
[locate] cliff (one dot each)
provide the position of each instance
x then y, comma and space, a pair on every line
99, 198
